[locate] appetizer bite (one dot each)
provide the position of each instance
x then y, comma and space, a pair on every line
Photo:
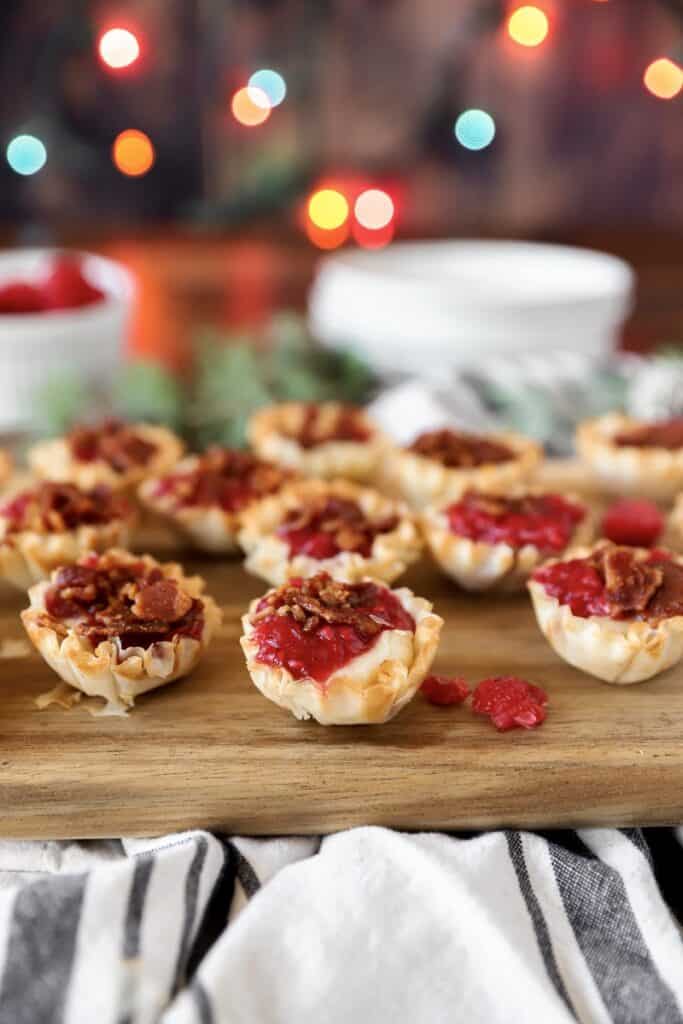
206, 496
342, 653
440, 464
116, 625
53, 524
325, 439
339, 527
114, 454
485, 541
615, 612
633, 456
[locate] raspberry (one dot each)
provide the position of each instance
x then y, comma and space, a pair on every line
510, 702
20, 297
445, 690
66, 288
637, 522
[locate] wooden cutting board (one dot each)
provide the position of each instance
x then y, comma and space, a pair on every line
210, 751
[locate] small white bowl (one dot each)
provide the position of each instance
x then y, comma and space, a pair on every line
35, 347
422, 307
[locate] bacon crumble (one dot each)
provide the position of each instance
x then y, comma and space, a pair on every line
457, 450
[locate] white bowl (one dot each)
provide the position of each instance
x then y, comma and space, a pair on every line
421, 307
36, 347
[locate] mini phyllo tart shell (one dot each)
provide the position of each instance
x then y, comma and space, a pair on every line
207, 496
53, 524
117, 625
112, 454
326, 439
489, 564
651, 465
621, 644
338, 527
441, 464
309, 672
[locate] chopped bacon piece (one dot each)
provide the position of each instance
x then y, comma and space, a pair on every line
660, 434
458, 450
629, 583
331, 422
224, 477
56, 507
332, 524
114, 442
161, 600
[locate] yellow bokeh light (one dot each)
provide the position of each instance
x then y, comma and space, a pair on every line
250, 106
328, 209
133, 152
374, 209
663, 78
528, 26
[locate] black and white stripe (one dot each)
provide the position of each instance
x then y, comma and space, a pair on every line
171, 930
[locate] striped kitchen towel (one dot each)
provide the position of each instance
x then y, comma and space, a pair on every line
365, 925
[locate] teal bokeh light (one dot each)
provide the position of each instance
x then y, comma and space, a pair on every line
475, 129
271, 83
26, 154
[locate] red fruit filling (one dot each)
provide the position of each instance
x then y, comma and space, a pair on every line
332, 422
637, 522
510, 702
21, 297
331, 525
112, 441
56, 507
618, 582
444, 690
661, 434
65, 287
460, 451
129, 602
223, 477
314, 627
547, 521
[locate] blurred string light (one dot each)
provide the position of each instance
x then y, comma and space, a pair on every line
663, 78
250, 106
269, 85
328, 209
374, 209
118, 48
475, 129
528, 26
26, 154
133, 153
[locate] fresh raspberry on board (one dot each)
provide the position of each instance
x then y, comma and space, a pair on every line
445, 690
510, 702
633, 521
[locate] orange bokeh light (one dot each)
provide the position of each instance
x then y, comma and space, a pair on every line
326, 238
250, 106
118, 48
528, 26
663, 78
133, 153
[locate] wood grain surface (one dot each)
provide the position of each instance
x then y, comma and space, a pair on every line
210, 751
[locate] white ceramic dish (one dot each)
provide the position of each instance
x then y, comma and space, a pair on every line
421, 306
36, 346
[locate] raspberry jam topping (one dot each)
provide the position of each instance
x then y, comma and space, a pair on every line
331, 422
661, 434
331, 525
510, 702
56, 507
444, 690
460, 451
131, 602
617, 582
633, 521
224, 477
114, 442
314, 627
547, 521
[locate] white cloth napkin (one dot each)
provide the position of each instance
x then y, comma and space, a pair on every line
366, 925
